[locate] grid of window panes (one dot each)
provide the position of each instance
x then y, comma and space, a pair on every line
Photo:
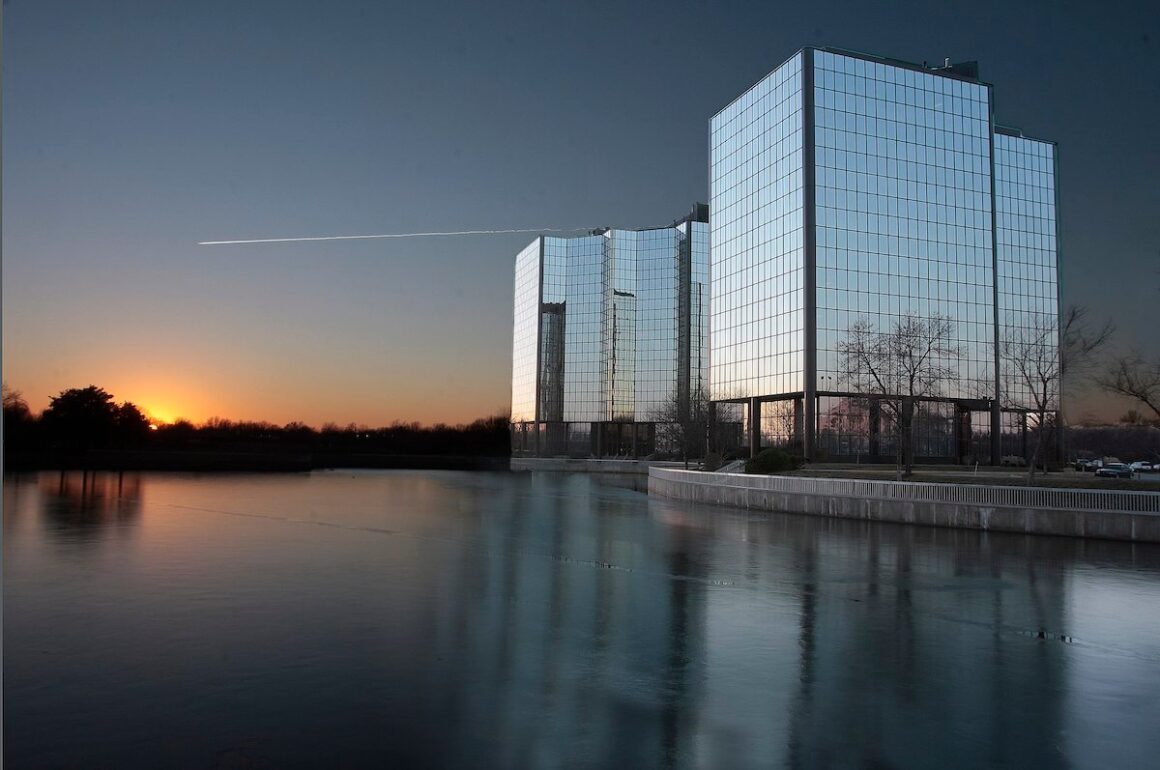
553, 305
756, 307
657, 296
698, 322
903, 212
849, 426
620, 324
779, 422
524, 333
607, 314
1027, 258
584, 395
846, 427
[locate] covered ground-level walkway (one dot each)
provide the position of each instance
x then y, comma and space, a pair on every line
862, 429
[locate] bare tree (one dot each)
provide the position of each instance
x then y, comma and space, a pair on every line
1080, 342
684, 426
18, 424
906, 363
1032, 373
14, 401
1135, 377
783, 421
1080, 345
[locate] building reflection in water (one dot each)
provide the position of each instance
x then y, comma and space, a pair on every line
575, 635
530, 620
695, 637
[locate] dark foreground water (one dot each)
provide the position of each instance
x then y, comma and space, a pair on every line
411, 619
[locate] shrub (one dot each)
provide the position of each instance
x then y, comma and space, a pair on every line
773, 461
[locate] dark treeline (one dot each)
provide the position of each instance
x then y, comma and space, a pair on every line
87, 426
1128, 441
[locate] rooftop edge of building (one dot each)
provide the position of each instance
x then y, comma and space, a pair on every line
698, 213
1017, 132
967, 71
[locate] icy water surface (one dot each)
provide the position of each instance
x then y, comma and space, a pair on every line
471, 620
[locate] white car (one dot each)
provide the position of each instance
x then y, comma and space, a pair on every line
1143, 465
1115, 471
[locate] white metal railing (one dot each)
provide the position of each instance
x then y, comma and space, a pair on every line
967, 494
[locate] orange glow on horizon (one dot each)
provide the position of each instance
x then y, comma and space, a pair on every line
158, 416
166, 397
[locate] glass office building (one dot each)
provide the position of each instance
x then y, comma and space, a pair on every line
609, 338
851, 193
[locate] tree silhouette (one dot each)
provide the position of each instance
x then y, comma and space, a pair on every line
1135, 377
908, 362
132, 427
15, 407
18, 421
684, 426
1033, 369
1080, 343
89, 418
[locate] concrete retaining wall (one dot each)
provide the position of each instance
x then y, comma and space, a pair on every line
585, 465
878, 503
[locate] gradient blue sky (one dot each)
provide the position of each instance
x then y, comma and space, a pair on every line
132, 130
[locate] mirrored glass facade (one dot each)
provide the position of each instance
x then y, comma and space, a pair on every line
611, 341
756, 196
903, 206
1027, 260
524, 333
851, 191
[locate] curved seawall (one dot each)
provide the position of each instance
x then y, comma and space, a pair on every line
1113, 515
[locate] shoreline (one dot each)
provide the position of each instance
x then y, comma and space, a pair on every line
249, 462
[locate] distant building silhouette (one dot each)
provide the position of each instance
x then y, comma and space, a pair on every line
609, 336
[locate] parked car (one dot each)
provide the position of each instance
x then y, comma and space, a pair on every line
1014, 461
1143, 465
1115, 470
1088, 464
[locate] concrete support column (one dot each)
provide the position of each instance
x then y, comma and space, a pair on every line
711, 428
996, 433
798, 422
809, 422
754, 427
962, 433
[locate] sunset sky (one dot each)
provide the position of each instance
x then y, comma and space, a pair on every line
133, 130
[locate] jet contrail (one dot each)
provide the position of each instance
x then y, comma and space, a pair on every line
392, 235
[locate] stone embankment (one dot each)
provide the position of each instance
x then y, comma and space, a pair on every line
1093, 513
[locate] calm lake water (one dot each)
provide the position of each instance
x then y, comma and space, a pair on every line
461, 620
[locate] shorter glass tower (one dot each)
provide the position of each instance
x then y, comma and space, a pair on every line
609, 338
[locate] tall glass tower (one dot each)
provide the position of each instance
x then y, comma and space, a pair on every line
852, 193
609, 338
